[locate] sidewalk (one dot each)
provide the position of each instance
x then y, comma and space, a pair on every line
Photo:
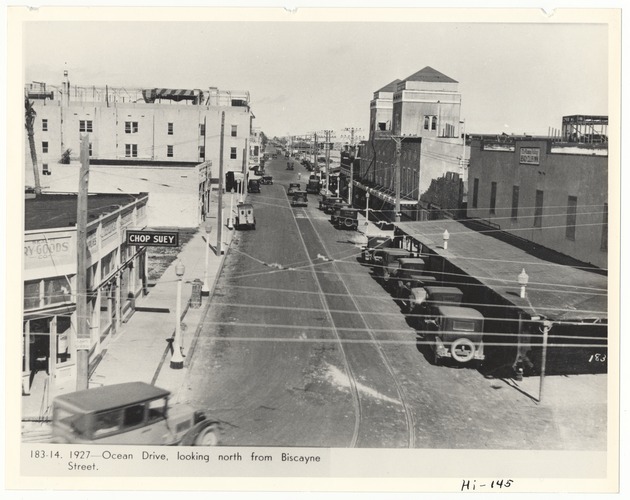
141, 352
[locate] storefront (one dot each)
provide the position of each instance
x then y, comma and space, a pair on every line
116, 276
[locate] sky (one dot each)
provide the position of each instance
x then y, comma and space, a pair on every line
310, 76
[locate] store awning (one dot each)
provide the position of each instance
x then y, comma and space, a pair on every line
384, 194
150, 95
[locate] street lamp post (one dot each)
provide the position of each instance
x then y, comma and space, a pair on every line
205, 289
230, 225
367, 212
177, 361
523, 279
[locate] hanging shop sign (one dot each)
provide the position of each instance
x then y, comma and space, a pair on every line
153, 238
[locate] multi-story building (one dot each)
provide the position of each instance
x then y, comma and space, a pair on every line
552, 191
142, 126
419, 119
116, 275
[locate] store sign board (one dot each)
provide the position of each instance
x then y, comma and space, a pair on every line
530, 156
153, 238
46, 251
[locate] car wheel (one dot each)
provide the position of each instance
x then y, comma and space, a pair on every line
208, 436
463, 350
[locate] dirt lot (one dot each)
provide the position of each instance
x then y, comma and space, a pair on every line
161, 257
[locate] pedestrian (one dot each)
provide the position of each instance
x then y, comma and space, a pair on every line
299, 175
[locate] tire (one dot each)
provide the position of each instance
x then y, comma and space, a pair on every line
208, 436
348, 223
463, 350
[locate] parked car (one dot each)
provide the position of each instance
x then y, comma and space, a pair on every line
299, 199
133, 413
266, 179
245, 216
347, 219
314, 185
457, 333
290, 165
293, 187
374, 243
335, 211
253, 186
328, 201
386, 260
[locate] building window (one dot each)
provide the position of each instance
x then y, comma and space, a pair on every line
233, 153
131, 150
475, 193
493, 198
170, 129
538, 210
45, 170
604, 245
44, 125
382, 125
169, 151
131, 127
45, 147
90, 149
571, 217
434, 123
202, 153
426, 122
515, 202
234, 131
85, 125
202, 129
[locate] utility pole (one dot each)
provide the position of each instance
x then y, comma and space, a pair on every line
245, 163
326, 144
83, 330
315, 164
221, 182
398, 141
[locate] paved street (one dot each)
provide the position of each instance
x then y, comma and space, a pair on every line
303, 347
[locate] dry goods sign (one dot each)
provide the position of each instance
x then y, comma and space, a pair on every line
153, 238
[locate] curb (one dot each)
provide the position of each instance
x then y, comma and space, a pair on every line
191, 349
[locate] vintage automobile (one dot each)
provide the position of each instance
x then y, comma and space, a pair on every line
347, 219
274, 156
314, 185
299, 199
293, 187
335, 211
328, 201
133, 413
266, 179
457, 333
290, 165
374, 243
245, 216
411, 288
386, 261
259, 172
253, 186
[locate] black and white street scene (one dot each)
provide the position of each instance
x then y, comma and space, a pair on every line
297, 234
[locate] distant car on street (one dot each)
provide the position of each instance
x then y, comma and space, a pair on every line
293, 187
299, 199
253, 186
347, 219
245, 216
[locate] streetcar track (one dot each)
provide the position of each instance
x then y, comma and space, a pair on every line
351, 378
408, 413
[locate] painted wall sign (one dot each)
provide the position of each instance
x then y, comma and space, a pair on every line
530, 156
153, 238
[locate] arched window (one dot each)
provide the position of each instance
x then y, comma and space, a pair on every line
426, 123
434, 123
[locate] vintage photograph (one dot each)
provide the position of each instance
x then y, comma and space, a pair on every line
272, 239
